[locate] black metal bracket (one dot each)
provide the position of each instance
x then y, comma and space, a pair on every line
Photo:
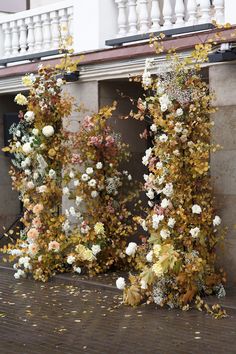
219, 56
34, 57
168, 33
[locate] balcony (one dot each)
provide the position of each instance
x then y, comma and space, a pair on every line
35, 32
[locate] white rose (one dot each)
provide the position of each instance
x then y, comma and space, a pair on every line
85, 177
120, 283
131, 249
164, 107
196, 209
42, 189
153, 128
89, 170
194, 232
179, 112
48, 131
35, 131
164, 234
99, 165
59, 82
165, 203
29, 116
168, 189
30, 185
94, 194
216, 221
27, 149
96, 249
149, 256
92, 183
150, 194
70, 259
52, 173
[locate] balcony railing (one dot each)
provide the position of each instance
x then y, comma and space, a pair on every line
91, 22
142, 16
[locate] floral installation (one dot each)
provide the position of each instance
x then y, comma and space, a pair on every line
181, 220
39, 153
100, 221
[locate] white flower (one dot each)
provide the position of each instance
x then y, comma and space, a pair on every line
143, 284
72, 211
163, 138
120, 283
156, 220
164, 100
27, 149
35, 131
129, 177
159, 165
78, 200
149, 256
18, 144
176, 152
150, 204
48, 131
131, 249
194, 232
179, 112
153, 128
42, 189
65, 191
92, 183
145, 158
150, 194
29, 116
85, 177
143, 224
94, 194
27, 172
25, 162
164, 233
59, 82
89, 170
77, 270
71, 174
171, 222
66, 225
35, 175
30, 185
52, 173
76, 182
178, 127
216, 221
168, 189
70, 259
99, 165
196, 209
21, 99
19, 273
160, 89
164, 107
96, 249
165, 203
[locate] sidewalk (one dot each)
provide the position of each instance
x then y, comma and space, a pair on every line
72, 315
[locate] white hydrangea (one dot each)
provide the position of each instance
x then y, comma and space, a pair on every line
29, 116
156, 220
120, 283
27, 149
131, 249
145, 158
70, 259
196, 209
168, 189
19, 273
96, 249
171, 222
165, 203
153, 128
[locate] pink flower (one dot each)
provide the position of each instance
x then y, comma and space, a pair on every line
37, 222
76, 158
37, 208
32, 234
109, 140
87, 123
95, 140
54, 246
33, 249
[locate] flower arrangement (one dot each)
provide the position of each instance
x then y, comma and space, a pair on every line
181, 220
102, 195
39, 154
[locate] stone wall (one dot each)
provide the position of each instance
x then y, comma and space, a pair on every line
9, 202
222, 80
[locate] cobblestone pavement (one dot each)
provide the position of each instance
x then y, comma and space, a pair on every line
69, 317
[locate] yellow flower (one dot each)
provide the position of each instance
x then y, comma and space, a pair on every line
157, 250
84, 253
21, 99
157, 269
27, 80
99, 228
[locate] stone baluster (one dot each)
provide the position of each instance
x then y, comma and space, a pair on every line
122, 24
191, 11
30, 37
204, 9
23, 36
46, 28
38, 35
14, 38
70, 13
63, 23
179, 13
219, 11
143, 16
55, 29
167, 14
132, 17
155, 15
7, 47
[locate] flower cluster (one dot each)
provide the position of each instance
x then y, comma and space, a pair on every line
99, 218
38, 156
183, 227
